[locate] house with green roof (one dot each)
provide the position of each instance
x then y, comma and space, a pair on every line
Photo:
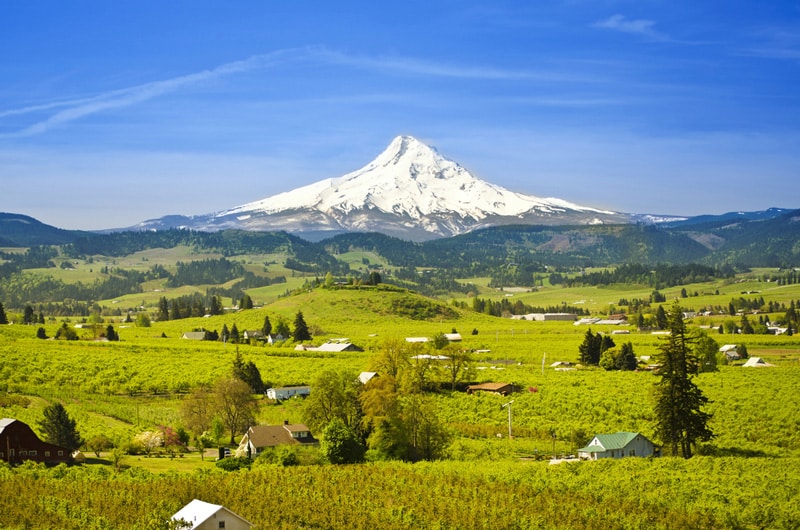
618, 445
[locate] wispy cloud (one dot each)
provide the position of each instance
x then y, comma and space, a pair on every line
62, 112
74, 109
776, 44
641, 27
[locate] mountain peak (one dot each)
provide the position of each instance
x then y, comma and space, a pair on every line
408, 190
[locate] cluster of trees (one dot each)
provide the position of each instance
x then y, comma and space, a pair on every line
20, 288
36, 257
505, 307
205, 272
187, 306
595, 347
656, 276
389, 417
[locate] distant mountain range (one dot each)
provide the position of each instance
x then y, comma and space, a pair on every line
410, 192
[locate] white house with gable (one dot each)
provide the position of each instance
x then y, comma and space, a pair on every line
206, 516
618, 445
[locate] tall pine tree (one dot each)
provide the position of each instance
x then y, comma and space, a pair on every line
59, 429
3, 317
680, 420
300, 328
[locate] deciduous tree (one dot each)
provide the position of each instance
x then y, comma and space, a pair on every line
235, 405
342, 444
335, 396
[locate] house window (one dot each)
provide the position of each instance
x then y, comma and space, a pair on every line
23, 452
47, 454
61, 453
633, 452
1, 455
32, 453
222, 524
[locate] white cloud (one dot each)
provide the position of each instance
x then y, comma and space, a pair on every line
621, 23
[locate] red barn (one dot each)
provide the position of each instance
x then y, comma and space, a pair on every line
18, 442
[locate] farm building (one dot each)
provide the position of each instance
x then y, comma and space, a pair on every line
253, 334
366, 377
756, 362
205, 516
730, 351
286, 392
194, 335
18, 442
503, 389
259, 437
618, 445
331, 347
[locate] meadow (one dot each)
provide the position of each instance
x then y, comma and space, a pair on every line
746, 477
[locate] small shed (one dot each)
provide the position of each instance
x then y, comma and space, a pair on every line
206, 516
194, 335
730, 351
503, 389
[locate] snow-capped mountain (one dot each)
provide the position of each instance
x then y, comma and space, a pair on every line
409, 191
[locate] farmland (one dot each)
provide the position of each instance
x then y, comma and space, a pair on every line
746, 477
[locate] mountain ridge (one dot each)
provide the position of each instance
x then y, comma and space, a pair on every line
409, 190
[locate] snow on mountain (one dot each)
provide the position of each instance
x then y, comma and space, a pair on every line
409, 179
409, 191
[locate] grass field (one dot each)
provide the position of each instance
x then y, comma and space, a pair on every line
123, 388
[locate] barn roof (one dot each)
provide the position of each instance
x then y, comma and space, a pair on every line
197, 511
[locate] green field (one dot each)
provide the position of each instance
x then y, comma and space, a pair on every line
746, 477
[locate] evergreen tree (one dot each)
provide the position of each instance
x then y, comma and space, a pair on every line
746, 327
661, 317
111, 334
28, 316
59, 429
248, 372
590, 348
216, 306
41, 333
266, 329
3, 317
225, 334
246, 302
282, 329
163, 309
234, 336
626, 359
680, 420
301, 332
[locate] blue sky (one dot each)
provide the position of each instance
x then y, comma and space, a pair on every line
116, 112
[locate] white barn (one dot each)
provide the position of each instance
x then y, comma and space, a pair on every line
206, 516
286, 392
